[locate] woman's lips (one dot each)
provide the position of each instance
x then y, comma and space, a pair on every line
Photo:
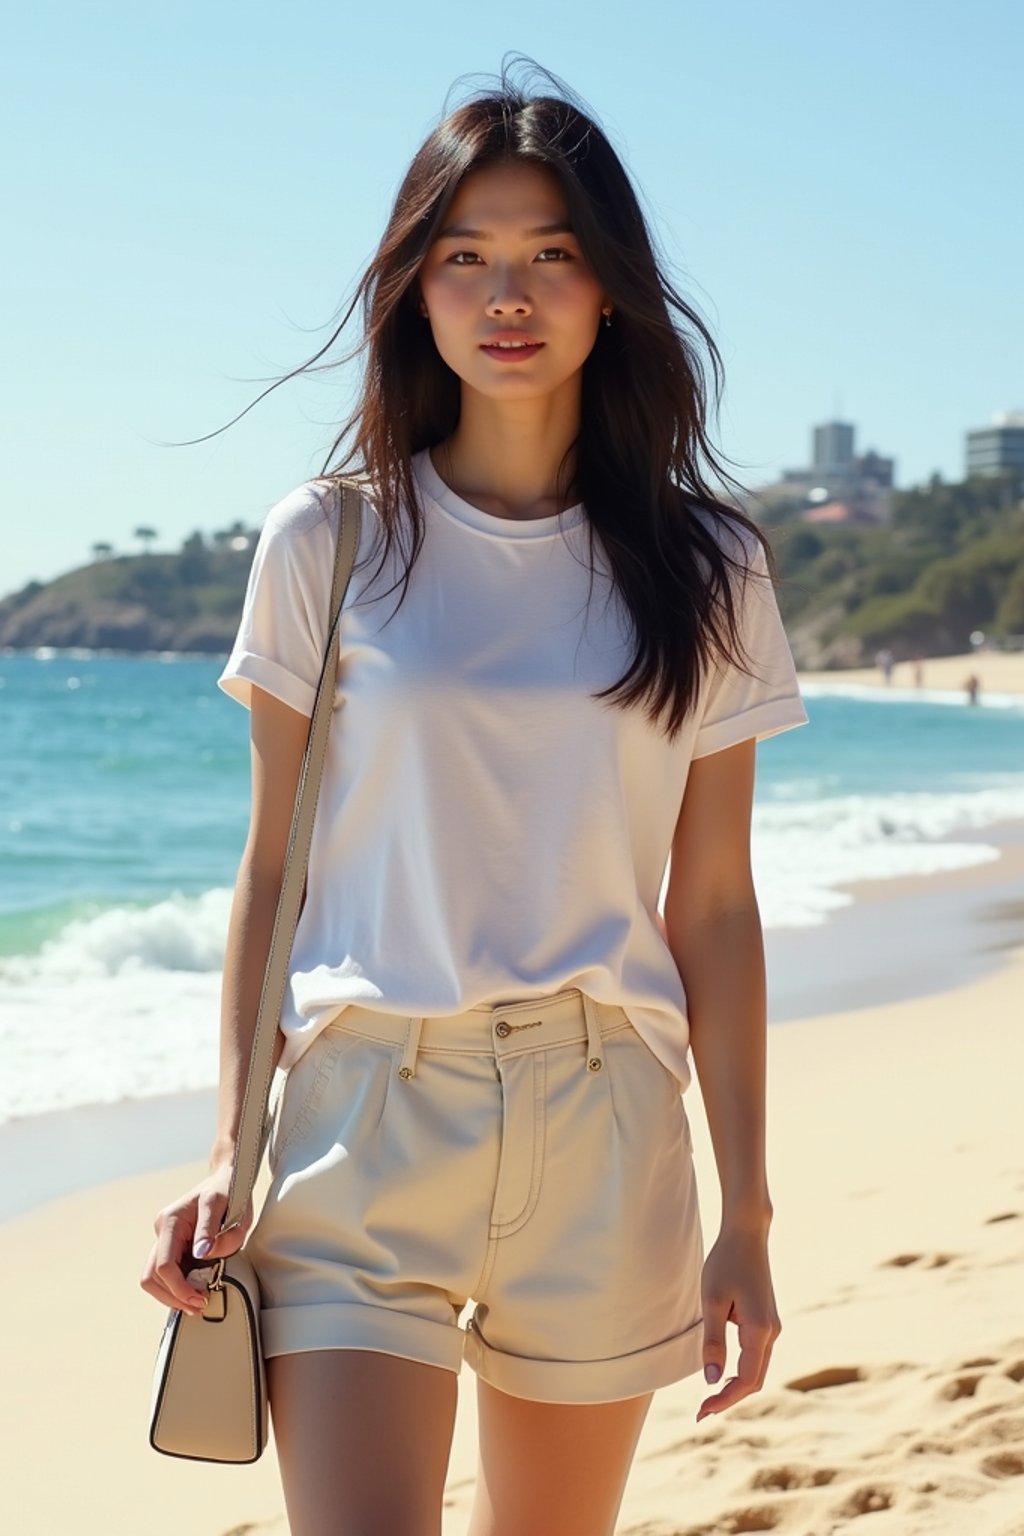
515, 354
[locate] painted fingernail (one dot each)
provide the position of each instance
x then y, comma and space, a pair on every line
712, 1373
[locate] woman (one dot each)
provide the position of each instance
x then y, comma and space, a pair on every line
486, 1029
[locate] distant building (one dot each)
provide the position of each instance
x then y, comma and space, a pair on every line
832, 447
999, 448
840, 486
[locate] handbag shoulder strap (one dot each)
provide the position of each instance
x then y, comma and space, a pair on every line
254, 1126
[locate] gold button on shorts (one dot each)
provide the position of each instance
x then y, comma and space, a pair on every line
532, 1158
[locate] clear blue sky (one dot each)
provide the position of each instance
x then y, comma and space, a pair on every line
191, 190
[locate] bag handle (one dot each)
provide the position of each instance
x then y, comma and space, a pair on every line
254, 1124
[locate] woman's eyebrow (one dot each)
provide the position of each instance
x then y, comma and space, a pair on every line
463, 232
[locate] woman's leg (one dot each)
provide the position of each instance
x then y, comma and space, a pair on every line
552, 1467
363, 1441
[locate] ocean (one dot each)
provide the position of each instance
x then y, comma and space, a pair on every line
123, 811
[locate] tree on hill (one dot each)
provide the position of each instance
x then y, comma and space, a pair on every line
194, 560
145, 536
1010, 615
224, 537
101, 551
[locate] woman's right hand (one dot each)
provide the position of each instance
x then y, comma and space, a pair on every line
195, 1217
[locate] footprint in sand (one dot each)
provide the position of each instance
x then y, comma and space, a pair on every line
1003, 1216
960, 1386
765, 1517
1015, 1370
977, 1372
926, 1260
733, 1522
782, 1479
867, 1500
737, 1520
1004, 1464
831, 1376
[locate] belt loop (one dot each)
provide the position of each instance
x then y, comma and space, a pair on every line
594, 1058
407, 1067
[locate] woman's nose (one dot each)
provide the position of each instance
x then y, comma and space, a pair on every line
499, 307
509, 298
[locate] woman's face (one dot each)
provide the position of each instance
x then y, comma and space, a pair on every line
506, 265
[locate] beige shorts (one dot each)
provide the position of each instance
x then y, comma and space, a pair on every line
534, 1158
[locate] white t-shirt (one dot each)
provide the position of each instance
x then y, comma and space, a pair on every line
486, 830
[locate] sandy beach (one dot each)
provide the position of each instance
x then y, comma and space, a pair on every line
998, 671
896, 1388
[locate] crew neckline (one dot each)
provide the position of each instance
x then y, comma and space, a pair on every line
442, 495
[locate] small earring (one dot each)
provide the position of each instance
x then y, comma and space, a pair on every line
607, 317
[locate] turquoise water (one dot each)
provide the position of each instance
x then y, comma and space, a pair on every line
123, 810
128, 779
121, 779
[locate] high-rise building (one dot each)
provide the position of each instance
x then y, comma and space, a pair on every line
839, 485
999, 448
833, 446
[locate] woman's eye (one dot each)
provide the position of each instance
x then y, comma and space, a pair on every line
558, 251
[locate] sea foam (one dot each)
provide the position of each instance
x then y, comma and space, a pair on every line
126, 1003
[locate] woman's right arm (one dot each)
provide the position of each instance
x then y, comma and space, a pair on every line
278, 738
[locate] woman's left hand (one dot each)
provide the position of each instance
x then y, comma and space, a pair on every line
736, 1287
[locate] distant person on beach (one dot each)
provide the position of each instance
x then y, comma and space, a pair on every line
484, 1043
918, 673
884, 662
973, 687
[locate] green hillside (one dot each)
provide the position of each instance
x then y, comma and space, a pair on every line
950, 562
189, 601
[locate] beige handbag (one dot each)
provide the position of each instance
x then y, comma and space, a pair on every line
209, 1400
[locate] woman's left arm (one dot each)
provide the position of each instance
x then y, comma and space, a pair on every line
713, 929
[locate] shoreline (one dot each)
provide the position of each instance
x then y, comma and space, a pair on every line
904, 938
901, 939
1000, 661
999, 672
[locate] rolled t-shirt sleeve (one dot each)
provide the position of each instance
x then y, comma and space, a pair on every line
283, 629
738, 705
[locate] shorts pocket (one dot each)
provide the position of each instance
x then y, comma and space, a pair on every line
340, 1095
304, 1086
657, 1083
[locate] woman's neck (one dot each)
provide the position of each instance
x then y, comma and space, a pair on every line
507, 463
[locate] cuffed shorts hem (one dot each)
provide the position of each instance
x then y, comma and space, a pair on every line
348, 1325
588, 1381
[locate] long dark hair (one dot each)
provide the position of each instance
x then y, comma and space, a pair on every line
642, 435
